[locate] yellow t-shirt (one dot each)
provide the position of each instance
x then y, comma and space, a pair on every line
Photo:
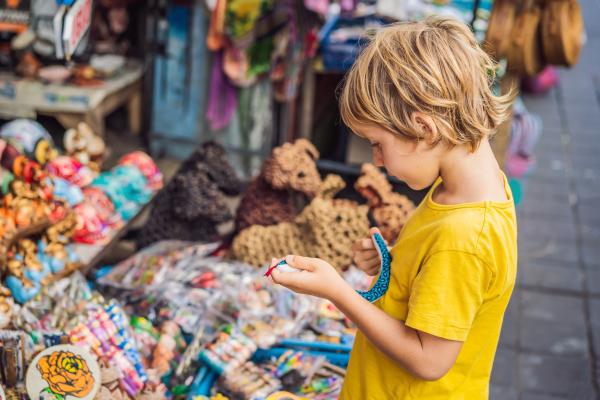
453, 271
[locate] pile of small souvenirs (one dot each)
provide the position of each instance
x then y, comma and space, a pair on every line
190, 315
51, 203
214, 327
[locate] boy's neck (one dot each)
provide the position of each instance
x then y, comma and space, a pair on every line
470, 176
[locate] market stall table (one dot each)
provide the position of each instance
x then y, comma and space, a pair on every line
71, 104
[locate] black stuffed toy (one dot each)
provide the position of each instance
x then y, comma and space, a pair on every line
193, 202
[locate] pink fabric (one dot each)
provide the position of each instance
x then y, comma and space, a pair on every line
222, 97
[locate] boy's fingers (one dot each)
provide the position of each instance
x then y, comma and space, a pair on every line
285, 279
373, 271
303, 263
374, 230
365, 256
367, 244
371, 263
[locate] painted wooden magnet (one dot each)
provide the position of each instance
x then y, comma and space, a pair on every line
63, 372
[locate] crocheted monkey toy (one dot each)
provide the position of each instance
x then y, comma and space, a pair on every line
391, 210
326, 228
193, 202
288, 179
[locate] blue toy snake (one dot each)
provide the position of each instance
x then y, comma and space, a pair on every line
383, 281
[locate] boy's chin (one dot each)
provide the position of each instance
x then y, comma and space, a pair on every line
416, 186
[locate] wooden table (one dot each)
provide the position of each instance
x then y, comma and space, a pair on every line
70, 104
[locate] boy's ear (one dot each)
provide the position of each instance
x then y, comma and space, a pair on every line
426, 127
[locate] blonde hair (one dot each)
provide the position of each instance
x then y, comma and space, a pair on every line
434, 66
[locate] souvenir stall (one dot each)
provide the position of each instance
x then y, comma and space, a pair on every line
71, 60
236, 89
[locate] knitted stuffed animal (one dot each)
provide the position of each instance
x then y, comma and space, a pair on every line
326, 228
193, 202
390, 210
288, 177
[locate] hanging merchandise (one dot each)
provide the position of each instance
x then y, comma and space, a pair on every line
500, 27
534, 34
215, 39
222, 99
236, 66
525, 52
525, 133
562, 32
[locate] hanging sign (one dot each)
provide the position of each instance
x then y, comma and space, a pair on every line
77, 22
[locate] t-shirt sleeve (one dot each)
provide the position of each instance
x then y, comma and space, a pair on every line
447, 294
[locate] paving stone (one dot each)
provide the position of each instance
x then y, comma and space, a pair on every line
593, 281
590, 250
588, 210
595, 321
551, 207
532, 226
546, 246
505, 367
498, 392
537, 396
509, 336
552, 324
550, 275
567, 377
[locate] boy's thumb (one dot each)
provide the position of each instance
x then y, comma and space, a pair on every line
375, 230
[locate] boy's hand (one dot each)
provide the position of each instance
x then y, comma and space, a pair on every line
365, 255
316, 277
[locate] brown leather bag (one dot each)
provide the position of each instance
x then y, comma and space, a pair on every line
562, 32
500, 25
524, 53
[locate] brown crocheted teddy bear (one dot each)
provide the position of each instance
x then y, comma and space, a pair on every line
288, 179
391, 210
326, 228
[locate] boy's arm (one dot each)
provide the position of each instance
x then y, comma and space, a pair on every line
425, 356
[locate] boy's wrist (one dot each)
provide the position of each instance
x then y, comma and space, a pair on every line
339, 291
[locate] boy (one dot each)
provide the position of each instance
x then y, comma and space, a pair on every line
420, 93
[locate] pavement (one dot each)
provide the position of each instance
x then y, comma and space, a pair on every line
550, 343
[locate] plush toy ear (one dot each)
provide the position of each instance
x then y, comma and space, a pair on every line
308, 147
272, 172
214, 147
372, 195
332, 185
373, 185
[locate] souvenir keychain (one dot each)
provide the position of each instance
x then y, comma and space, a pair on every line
383, 281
